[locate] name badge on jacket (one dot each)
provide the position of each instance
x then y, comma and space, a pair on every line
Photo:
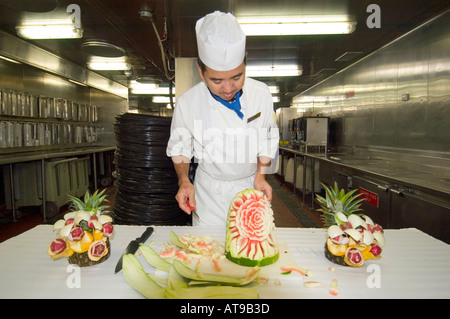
254, 117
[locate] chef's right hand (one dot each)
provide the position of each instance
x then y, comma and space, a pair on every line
186, 197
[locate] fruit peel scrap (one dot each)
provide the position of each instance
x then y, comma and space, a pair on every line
333, 290
289, 268
312, 284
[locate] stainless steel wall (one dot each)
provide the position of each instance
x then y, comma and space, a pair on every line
396, 98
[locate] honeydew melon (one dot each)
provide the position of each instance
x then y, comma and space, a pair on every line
181, 278
154, 259
137, 278
250, 239
212, 292
203, 278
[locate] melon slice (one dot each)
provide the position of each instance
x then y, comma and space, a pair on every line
250, 239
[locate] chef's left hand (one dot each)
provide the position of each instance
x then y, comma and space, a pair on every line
262, 185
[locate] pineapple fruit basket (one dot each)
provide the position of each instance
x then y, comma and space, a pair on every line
83, 234
351, 238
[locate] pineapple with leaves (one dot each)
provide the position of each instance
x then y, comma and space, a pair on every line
83, 234
352, 238
90, 203
337, 202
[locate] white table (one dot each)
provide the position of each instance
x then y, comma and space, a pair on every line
413, 265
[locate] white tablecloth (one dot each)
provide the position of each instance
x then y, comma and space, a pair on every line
413, 265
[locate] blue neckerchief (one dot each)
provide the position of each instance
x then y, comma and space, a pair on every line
234, 105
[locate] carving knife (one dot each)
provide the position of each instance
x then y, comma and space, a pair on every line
133, 247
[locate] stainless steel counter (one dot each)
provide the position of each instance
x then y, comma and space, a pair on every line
12, 158
416, 175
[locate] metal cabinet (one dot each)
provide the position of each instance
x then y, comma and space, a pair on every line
377, 196
409, 208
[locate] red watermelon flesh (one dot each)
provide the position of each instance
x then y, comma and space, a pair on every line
250, 239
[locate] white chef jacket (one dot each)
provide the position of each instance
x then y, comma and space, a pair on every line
225, 146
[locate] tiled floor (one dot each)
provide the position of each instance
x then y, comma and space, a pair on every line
287, 207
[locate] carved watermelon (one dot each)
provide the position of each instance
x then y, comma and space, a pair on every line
250, 239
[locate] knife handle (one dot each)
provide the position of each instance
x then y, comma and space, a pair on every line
145, 235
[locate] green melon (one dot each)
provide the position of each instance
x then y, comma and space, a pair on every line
250, 239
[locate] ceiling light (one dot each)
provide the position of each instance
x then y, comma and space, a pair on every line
296, 25
162, 99
108, 64
274, 89
273, 70
143, 88
148, 89
60, 28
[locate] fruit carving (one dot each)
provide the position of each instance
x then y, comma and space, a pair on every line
352, 238
250, 239
83, 234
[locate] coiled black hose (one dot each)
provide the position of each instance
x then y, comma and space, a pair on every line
146, 182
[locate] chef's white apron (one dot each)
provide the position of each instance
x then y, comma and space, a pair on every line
213, 198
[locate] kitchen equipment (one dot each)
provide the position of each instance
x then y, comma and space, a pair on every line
133, 247
18, 134
312, 132
27, 134
51, 107
285, 117
33, 105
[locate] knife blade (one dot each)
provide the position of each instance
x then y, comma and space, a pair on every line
133, 247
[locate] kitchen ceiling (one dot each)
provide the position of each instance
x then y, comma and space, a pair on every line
119, 23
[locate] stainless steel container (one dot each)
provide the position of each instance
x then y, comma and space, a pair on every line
27, 134
18, 134
33, 105
43, 108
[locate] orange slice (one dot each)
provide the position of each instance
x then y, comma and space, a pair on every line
66, 253
337, 250
97, 235
82, 245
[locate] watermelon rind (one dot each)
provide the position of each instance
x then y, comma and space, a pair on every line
252, 262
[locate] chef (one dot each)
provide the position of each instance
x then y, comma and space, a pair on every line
225, 122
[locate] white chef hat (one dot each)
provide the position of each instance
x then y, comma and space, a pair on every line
220, 41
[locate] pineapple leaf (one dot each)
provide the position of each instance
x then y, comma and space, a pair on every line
337, 200
90, 203
347, 195
341, 194
339, 207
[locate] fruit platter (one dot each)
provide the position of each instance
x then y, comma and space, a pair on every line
83, 234
351, 238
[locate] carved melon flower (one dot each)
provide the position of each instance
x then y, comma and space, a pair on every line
255, 220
